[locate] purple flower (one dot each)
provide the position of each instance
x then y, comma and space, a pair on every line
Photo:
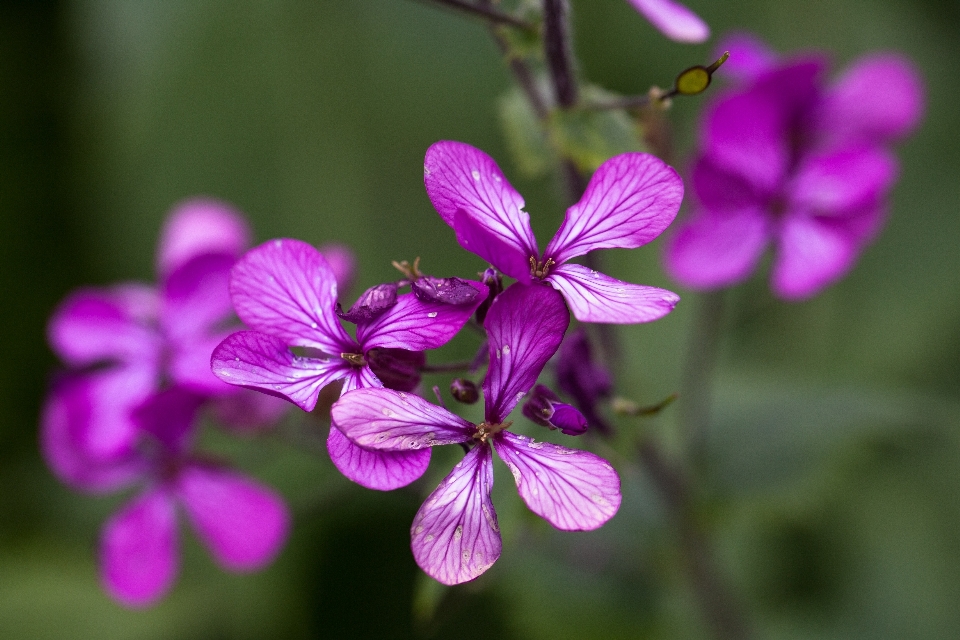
581, 377
791, 162
546, 409
241, 522
455, 535
287, 293
673, 20
128, 340
629, 201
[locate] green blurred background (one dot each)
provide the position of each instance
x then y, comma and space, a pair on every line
833, 493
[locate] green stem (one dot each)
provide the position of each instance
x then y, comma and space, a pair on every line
487, 12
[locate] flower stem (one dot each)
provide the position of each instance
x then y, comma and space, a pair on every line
721, 609
446, 367
694, 407
488, 12
556, 35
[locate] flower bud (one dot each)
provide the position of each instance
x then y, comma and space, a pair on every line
546, 409
455, 291
464, 391
494, 281
371, 303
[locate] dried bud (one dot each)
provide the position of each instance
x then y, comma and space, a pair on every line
546, 409
464, 391
371, 303
453, 291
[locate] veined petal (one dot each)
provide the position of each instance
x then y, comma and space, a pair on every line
843, 181
416, 325
259, 361
389, 420
381, 470
673, 20
196, 296
243, 523
525, 325
572, 490
717, 248
595, 297
476, 236
138, 550
880, 97
360, 378
200, 226
93, 325
287, 289
459, 177
811, 254
455, 535
629, 201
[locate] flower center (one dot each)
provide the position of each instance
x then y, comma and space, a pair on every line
540, 268
485, 431
356, 359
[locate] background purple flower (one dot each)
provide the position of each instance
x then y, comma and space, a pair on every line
455, 534
127, 341
673, 20
629, 201
243, 523
287, 293
789, 161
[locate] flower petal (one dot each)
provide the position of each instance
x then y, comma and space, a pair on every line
259, 361
196, 297
415, 325
138, 550
811, 254
629, 201
200, 226
388, 420
287, 289
717, 248
459, 177
749, 56
843, 181
94, 325
572, 490
381, 470
475, 235
673, 20
525, 325
243, 523
188, 364
455, 535
169, 416
70, 424
595, 297
878, 98
360, 378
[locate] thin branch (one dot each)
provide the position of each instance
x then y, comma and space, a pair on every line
446, 367
489, 13
556, 34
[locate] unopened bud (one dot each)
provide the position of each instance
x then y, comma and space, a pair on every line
464, 391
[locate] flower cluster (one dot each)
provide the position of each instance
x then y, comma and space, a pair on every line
789, 161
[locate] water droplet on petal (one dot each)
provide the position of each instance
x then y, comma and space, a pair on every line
458, 533
432, 314
475, 174
313, 325
418, 530
387, 412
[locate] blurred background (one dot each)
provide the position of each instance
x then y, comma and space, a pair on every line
833, 492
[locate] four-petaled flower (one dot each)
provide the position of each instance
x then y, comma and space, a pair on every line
789, 162
673, 20
285, 291
455, 535
629, 201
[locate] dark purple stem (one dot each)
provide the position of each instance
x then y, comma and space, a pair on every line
488, 12
556, 35
722, 610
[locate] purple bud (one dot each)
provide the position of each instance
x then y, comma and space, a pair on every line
398, 369
546, 409
464, 391
494, 281
453, 291
371, 303
586, 381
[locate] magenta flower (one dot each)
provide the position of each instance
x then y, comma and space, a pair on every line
788, 161
673, 20
287, 293
455, 535
630, 200
243, 523
129, 340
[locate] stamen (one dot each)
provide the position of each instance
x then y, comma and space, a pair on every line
356, 359
540, 269
485, 431
410, 272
